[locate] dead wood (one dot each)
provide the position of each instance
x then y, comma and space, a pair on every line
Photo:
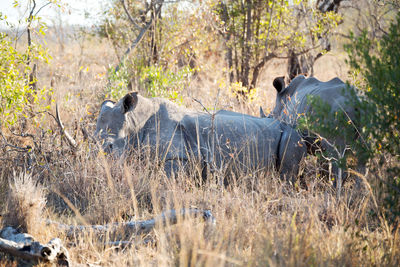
25, 247
128, 229
71, 141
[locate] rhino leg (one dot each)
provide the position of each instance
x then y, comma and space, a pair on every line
291, 150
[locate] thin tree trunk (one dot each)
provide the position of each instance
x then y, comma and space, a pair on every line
32, 75
243, 40
227, 42
236, 54
139, 37
247, 46
230, 61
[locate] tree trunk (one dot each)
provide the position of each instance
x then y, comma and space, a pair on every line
32, 75
247, 46
227, 37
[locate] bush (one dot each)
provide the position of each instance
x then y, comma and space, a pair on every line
155, 80
118, 82
165, 83
378, 65
16, 91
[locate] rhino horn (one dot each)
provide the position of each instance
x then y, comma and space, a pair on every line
262, 113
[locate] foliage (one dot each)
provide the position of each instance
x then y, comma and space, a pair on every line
19, 93
378, 63
118, 82
332, 125
153, 79
166, 57
381, 94
241, 92
165, 83
377, 66
13, 87
16, 92
255, 31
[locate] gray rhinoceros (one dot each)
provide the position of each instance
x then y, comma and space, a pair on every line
177, 134
292, 102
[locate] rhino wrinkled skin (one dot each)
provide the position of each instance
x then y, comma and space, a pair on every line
177, 134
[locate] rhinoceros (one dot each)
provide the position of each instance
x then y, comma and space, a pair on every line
177, 134
292, 102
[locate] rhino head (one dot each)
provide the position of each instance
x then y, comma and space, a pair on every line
116, 122
284, 93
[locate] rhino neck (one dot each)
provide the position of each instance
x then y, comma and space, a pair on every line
144, 110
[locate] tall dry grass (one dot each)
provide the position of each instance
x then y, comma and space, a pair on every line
260, 220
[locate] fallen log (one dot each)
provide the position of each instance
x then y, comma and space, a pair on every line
25, 247
128, 229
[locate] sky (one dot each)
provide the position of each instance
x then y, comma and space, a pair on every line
72, 13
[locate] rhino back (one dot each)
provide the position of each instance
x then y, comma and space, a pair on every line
163, 133
235, 138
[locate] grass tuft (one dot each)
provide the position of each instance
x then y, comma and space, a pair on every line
25, 204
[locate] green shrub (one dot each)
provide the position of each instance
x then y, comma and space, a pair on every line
16, 93
378, 64
118, 82
329, 125
165, 83
155, 80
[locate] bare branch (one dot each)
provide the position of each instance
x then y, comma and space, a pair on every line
65, 134
37, 12
139, 37
269, 29
14, 148
205, 109
128, 14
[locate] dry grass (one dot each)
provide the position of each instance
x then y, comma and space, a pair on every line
25, 204
260, 221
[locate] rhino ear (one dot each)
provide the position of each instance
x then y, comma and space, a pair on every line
279, 83
107, 104
129, 102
